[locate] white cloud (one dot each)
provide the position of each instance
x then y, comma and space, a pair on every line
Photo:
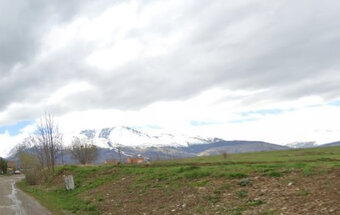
174, 64
298, 121
67, 91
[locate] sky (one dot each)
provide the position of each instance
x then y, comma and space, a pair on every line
251, 70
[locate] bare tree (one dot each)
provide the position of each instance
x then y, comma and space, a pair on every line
84, 150
47, 142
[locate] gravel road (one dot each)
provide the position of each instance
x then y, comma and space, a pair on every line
15, 202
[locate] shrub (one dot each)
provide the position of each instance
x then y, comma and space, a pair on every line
32, 176
244, 182
32, 169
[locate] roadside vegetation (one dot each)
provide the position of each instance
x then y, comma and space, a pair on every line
3, 166
279, 182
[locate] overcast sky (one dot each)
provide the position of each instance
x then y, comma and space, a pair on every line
256, 70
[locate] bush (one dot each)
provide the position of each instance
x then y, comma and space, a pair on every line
31, 168
244, 182
32, 177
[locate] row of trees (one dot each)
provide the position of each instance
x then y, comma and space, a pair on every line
39, 152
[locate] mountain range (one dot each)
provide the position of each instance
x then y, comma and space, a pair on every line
131, 142
116, 143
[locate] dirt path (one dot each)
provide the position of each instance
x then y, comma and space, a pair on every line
15, 202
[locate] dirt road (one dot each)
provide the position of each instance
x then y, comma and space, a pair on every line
14, 202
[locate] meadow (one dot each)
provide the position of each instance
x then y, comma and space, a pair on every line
249, 183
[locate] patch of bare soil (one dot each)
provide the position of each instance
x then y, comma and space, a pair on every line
293, 193
298, 194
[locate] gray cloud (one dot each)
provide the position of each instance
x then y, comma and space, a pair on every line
22, 25
287, 47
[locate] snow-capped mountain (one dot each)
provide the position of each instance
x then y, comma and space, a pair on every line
131, 142
118, 143
128, 137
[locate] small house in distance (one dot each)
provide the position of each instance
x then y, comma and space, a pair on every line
11, 164
138, 160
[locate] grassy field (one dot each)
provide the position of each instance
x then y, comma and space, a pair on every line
203, 185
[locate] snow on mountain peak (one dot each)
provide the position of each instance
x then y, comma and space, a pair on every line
130, 137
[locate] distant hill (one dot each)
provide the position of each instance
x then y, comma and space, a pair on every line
331, 144
298, 145
217, 146
311, 144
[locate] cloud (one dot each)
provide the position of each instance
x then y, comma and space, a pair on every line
23, 24
202, 116
70, 56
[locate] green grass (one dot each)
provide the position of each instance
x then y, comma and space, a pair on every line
237, 211
59, 200
313, 154
274, 174
175, 174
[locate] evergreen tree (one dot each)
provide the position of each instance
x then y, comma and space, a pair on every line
3, 165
